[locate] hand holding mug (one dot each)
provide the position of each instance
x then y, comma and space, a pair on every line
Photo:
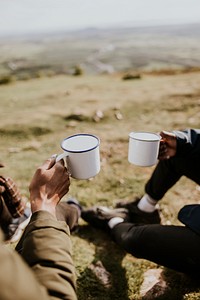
168, 145
48, 185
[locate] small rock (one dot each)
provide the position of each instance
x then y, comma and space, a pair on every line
72, 124
98, 115
154, 285
198, 188
14, 150
118, 116
101, 273
131, 76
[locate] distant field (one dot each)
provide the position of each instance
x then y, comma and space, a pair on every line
102, 51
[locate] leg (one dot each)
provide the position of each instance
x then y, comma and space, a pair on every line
162, 179
165, 175
168, 172
175, 247
68, 213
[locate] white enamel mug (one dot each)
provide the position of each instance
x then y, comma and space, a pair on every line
81, 153
143, 148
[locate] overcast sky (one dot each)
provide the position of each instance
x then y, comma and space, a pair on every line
19, 16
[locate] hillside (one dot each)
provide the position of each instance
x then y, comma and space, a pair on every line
102, 51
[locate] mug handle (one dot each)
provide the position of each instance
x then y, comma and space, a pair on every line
61, 156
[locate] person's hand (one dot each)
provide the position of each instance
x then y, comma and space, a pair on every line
168, 145
48, 185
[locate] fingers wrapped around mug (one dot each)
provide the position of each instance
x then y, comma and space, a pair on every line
63, 176
163, 151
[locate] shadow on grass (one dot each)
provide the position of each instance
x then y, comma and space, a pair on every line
105, 278
182, 286
110, 280
179, 287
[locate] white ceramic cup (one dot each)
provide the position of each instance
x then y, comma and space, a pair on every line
81, 153
143, 148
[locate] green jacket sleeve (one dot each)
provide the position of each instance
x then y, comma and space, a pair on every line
17, 279
48, 271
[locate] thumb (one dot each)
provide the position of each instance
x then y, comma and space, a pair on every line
165, 134
49, 163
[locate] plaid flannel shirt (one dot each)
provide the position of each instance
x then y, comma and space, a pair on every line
11, 196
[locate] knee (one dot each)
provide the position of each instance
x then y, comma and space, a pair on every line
130, 239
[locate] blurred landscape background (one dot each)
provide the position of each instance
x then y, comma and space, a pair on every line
146, 49
107, 67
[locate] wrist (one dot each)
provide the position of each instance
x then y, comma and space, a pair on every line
38, 204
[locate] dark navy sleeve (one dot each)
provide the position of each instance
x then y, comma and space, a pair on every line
189, 215
188, 141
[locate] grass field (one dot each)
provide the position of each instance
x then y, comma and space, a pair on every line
37, 114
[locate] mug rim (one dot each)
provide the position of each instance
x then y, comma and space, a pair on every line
80, 134
148, 132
